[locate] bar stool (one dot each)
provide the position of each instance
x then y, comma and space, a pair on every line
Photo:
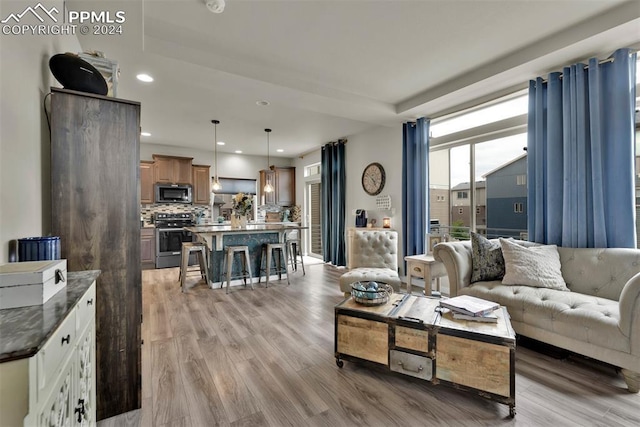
227, 265
281, 257
293, 248
187, 249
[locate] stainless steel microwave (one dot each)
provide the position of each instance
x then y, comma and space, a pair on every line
173, 193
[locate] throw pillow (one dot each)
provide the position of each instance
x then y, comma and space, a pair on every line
537, 266
487, 262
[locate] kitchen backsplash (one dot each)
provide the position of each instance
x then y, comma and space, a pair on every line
147, 211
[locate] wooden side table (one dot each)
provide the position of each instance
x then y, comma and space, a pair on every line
424, 267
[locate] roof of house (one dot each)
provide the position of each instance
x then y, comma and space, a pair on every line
522, 156
466, 186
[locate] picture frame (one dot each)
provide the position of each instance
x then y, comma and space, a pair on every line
433, 240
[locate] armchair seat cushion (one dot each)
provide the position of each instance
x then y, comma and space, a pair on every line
385, 275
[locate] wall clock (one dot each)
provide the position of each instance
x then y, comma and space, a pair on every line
373, 179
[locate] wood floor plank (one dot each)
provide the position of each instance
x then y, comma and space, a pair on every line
169, 404
236, 398
205, 405
266, 358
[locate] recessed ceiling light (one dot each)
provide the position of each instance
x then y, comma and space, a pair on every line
220, 142
238, 151
280, 150
145, 134
262, 103
144, 78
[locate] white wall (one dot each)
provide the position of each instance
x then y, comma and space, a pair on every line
25, 165
231, 165
382, 145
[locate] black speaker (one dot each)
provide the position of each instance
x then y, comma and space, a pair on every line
75, 73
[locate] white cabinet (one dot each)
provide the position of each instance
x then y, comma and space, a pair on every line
56, 386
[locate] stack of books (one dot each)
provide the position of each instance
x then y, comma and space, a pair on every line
466, 307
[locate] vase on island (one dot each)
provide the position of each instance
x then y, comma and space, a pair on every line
239, 221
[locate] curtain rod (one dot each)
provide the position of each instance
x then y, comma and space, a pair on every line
306, 153
600, 62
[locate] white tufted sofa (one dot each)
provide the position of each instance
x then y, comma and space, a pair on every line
372, 255
599, 318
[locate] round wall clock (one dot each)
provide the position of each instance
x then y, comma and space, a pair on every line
373, 179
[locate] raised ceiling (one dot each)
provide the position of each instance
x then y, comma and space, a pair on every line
330, 69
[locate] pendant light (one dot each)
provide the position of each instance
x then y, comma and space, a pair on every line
216, 184
268, 188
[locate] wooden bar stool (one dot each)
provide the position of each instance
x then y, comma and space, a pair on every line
293, 248
187, 249
227, 265
280, 259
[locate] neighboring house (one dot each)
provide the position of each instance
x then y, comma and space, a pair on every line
507, 198
439, 205
460, 205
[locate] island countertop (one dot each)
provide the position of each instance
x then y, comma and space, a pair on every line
24, 330
207, 232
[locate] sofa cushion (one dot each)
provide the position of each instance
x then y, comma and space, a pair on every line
582, 317
487, 262
362, 274
537, 266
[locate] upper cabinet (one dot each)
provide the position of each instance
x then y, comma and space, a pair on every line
146, 182
172, 170
201, 188
283, 180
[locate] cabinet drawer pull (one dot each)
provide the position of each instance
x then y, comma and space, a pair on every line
90, 301
67, 339
411, 370
418, 269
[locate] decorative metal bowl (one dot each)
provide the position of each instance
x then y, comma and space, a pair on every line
370, 292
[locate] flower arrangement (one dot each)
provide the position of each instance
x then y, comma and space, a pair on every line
242, 204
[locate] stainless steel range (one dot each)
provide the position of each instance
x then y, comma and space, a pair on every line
170, 234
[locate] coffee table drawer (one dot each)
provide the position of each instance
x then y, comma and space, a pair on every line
412, 339
366, 339
411, 364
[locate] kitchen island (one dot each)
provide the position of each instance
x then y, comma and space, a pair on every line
217, 236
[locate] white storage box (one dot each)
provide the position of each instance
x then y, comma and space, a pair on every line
31, 283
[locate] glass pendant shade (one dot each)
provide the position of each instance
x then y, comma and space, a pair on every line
268, 188
215, 186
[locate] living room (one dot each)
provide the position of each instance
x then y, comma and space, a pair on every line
207, 73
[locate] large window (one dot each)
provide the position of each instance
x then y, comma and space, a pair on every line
485, 167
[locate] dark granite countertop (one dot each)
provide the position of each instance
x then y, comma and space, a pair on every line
24, 330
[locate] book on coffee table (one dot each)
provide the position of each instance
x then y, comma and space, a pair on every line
471, 306
487, 318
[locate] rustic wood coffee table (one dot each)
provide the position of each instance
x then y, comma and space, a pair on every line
410, 336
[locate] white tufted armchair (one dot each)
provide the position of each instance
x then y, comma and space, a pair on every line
373, 255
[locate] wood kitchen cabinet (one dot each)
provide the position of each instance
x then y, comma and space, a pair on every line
95, 209
201, 187
172, 170
283, 180
146, 182
148, 248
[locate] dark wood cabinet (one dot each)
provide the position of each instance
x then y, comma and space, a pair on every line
172, 170
95, 161
201, 186
146, 182
283, 180
148, 248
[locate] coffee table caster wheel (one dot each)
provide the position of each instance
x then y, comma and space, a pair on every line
340, 363
512, 411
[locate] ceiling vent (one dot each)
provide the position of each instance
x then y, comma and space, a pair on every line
215, 6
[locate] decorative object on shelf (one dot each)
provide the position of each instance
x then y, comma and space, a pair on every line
286, 215
215, 186
220, 219
371, 293
242, 205
386, 222
268, 188
373, 179
296, 213
383, 202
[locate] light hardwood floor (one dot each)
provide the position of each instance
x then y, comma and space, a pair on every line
265, 357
